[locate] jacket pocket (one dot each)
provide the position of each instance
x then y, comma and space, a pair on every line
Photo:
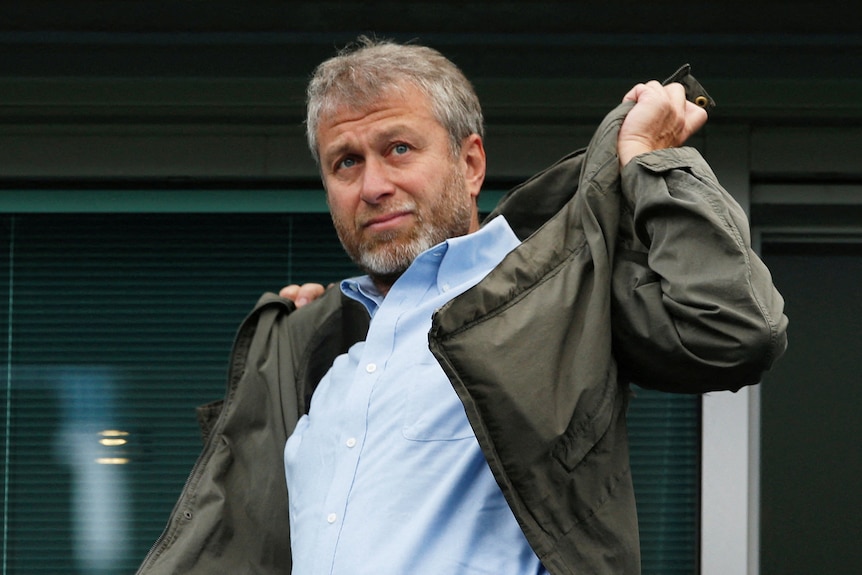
587, 427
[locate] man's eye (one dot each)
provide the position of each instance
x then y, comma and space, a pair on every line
347, 163
400, 149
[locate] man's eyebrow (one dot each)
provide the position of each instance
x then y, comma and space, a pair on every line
395, 132
385, 135
335, 151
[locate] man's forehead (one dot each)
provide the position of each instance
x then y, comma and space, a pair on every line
387, 115
349, 105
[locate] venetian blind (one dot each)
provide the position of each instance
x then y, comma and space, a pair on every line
115, 326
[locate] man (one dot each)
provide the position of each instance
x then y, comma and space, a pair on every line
461, 408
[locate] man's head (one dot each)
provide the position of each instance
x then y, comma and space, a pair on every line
396, 131
363, 72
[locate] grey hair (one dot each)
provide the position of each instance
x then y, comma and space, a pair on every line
365, 71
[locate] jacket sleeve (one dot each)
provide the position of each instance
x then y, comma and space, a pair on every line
695, 308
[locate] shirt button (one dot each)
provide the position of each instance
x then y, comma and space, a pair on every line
371, 368
331, 518
351, 442
445, 287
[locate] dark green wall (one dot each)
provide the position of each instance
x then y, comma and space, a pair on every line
793, 61
811, 426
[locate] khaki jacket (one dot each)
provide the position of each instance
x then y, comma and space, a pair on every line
643, 276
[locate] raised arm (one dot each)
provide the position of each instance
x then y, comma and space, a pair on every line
695, 308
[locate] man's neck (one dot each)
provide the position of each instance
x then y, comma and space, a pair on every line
384, 283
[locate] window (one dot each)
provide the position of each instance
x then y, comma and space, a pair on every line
116, 325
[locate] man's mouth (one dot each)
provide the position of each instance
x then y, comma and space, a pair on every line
387, 221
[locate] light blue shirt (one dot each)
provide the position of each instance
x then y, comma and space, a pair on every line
385, 474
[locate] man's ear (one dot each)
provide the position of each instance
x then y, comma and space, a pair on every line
473, 160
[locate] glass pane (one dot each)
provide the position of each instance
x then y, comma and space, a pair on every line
122, 324
664, 436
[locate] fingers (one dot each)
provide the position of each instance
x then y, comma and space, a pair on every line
662, 117
654, 88
632, 95
289, 292
302, 294
672, 96
695, 117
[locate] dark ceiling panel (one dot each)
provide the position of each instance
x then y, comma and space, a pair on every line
791, 60
667, 16
181, 38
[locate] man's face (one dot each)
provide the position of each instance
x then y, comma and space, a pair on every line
392, 184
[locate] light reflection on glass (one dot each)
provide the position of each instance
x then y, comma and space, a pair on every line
112, 460
112, 442
95, 451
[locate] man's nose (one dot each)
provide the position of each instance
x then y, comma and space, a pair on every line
376, 181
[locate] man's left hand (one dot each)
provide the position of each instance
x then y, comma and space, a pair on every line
661, 118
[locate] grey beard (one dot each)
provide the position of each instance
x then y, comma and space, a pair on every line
393, 262
388, 257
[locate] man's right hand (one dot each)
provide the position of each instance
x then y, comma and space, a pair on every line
303, 294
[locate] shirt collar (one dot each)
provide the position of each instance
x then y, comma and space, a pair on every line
457, 260
475, 254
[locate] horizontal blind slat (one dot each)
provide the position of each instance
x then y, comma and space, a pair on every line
124, 322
